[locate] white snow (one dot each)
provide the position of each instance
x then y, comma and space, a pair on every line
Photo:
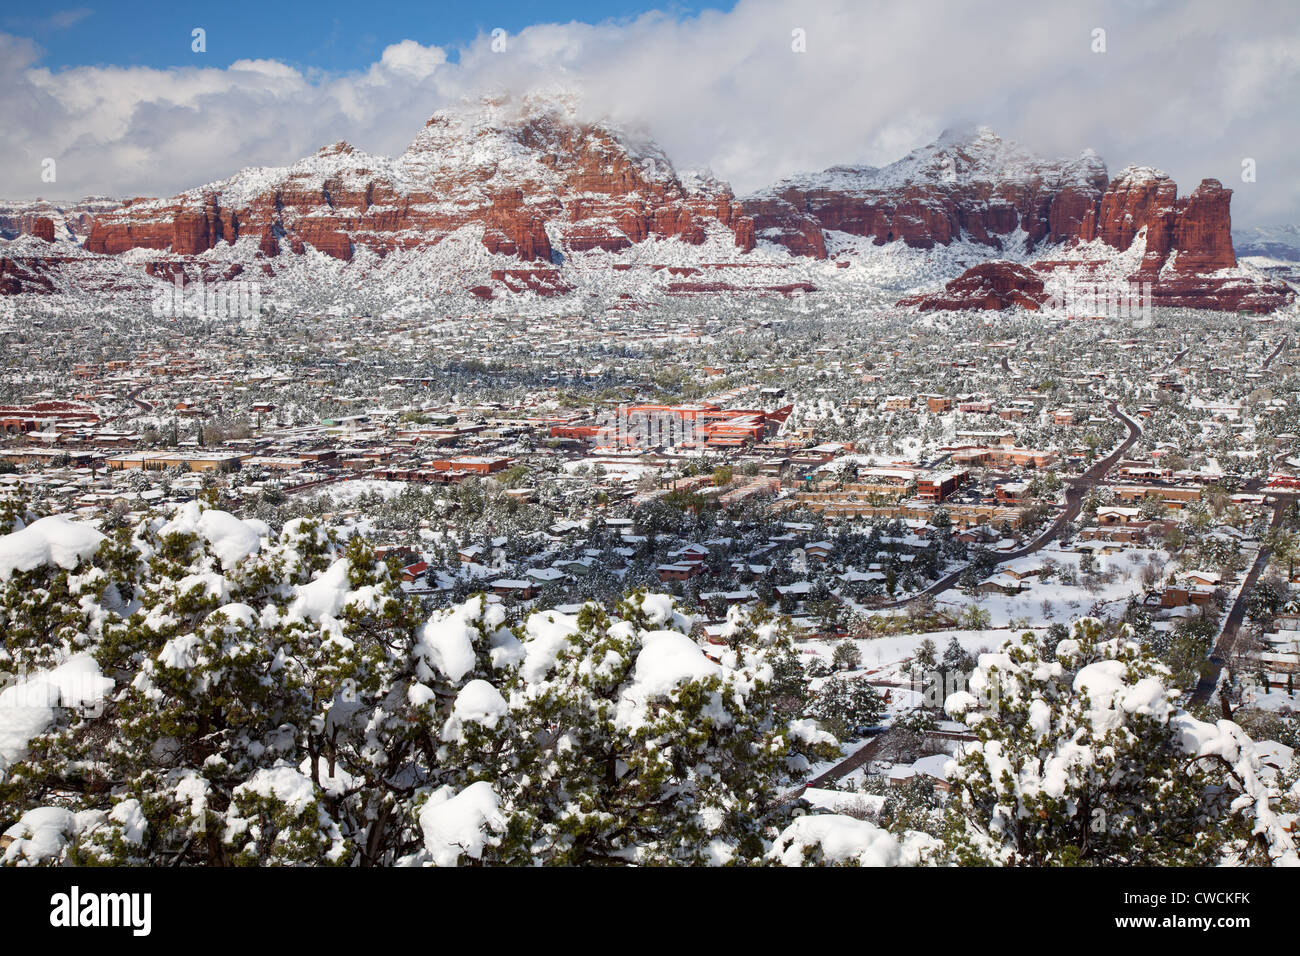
283, 783
231, 539
52, 540
478, 703
841, 839
547, 634
28, 708
40, 834
668, 658
323, 597
458, 823
447, 640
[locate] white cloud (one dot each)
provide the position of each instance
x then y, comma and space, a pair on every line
411, 59
1190, 87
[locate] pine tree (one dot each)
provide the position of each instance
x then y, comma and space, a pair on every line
844, 705
1083, 758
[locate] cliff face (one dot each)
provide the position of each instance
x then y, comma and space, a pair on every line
1196, 230
512, 172
977, 187
531, 182
68, 220
970, 185
992, 285
1185, 243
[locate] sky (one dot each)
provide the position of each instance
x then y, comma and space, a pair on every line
118, 97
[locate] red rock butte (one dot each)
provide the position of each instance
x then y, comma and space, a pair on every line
512, 173
529, 180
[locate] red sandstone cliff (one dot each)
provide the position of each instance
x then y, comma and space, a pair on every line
532, 182
510, 171
992, 285
1184, 243
970, 185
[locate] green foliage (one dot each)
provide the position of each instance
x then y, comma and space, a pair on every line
844, 704
299, 707
1083, 759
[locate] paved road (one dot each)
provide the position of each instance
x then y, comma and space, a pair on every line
144, 406
1280, 346
1232, 624
1075, 491
846, 766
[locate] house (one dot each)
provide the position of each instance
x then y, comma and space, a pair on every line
1021, 568
414, 572
507, 587
863, 577
741, 596
934, 768
544, 575
818, 551
798, 590
938, 485
1098, 548
1002, 583
471, 465
189, 461
691, 554
1011, 492
577, 567
1113, 515
679, 572
471, 554
1180, 596
1275, 759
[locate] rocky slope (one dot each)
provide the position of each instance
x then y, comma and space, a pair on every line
994, 285
1185, 244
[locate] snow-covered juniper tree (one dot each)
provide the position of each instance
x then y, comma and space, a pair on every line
201, 690
623, 742
1084, 758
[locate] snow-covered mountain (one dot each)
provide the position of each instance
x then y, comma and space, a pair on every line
71, 220
505, 199
515, 171
968, 183
1270, 242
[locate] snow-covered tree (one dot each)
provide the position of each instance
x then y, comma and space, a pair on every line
1083, 758
199, 689
843, 704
